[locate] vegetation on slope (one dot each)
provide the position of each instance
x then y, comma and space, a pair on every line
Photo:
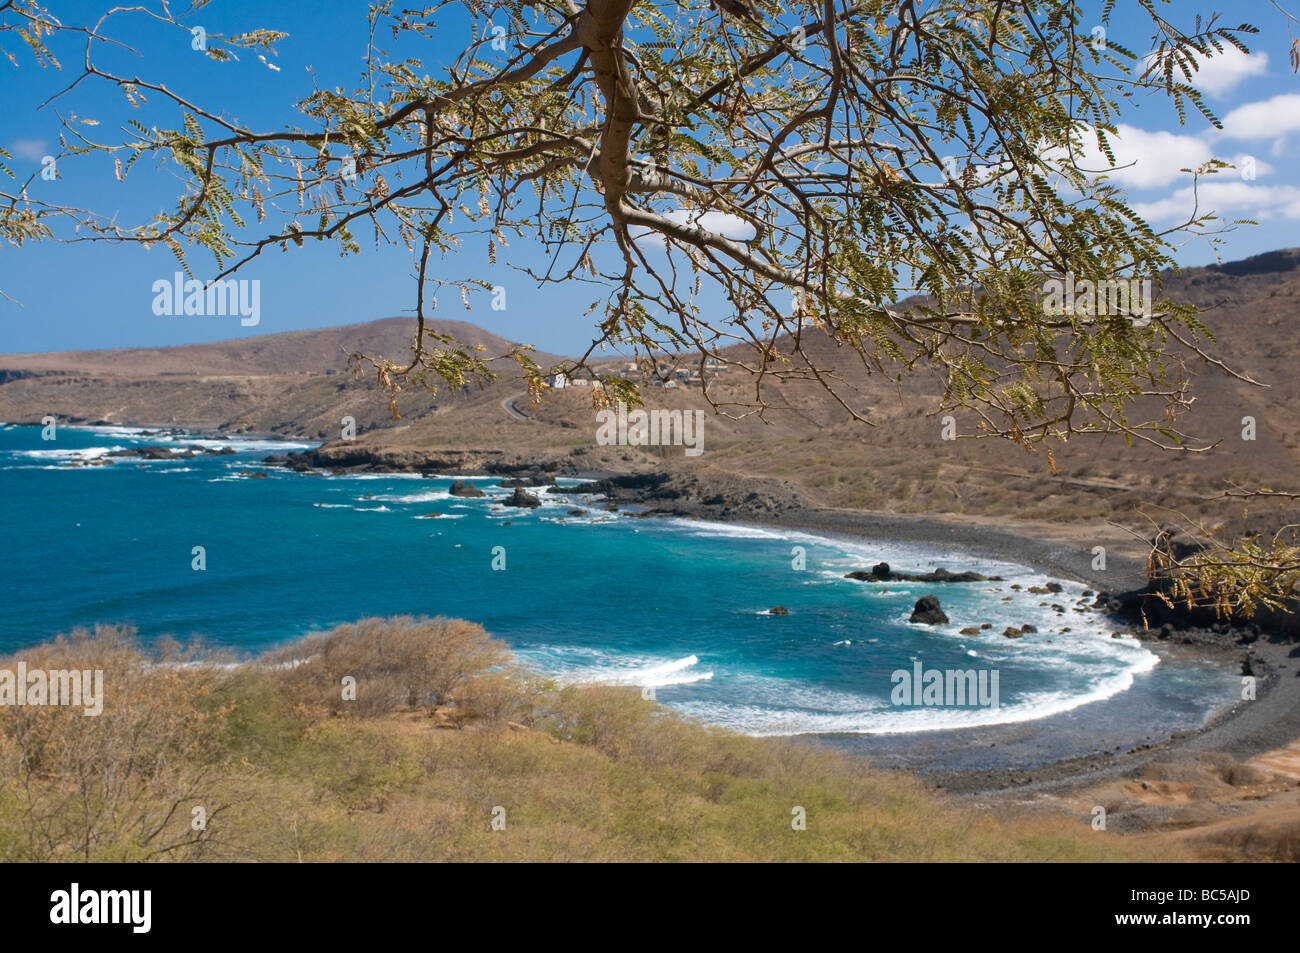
446, 734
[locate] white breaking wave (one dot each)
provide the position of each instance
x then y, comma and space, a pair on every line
428, 496
67, 453
1093, 666
612, 670
240, 445
874, 716
710, 530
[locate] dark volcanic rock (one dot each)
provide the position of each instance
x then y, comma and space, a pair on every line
1178, 541
1028, 629
778, 610
380, 459
1011, 632
928, 612
522, 497
461, 488
152, 453
523, 481
881, 572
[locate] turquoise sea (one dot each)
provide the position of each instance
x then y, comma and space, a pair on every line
677, 606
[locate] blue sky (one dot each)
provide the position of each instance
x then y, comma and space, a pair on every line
98, 296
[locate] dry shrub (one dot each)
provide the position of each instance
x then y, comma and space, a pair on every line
1267, 841
401, 662
1234, 772
1205, 772
601, 775
119, 785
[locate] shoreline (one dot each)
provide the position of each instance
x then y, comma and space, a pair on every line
1241, 729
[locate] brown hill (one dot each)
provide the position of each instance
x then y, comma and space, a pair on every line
290, 383
902, 464
290, 352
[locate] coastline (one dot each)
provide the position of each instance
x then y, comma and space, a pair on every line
1242, 730
1065, 550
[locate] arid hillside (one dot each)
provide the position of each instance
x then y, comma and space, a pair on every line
296, 384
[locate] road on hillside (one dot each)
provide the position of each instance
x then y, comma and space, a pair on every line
508, 405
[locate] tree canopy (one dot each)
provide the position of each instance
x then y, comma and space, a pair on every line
740, 172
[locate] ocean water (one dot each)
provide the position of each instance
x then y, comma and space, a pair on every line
675, 606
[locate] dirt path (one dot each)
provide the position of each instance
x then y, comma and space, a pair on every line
508, 405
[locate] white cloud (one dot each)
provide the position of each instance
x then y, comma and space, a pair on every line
1239, 199
1267, 119
1219, 73
1143, 160
719, 223
33, 150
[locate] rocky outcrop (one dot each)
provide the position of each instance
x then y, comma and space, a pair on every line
881, 572
461, 488
927, 611
1045, 589
1177, 541
1148, 612
347, 456
531, 479
521, 498
778, 610
152, 452
724, 496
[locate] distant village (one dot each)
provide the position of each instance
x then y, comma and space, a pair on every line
657, 374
